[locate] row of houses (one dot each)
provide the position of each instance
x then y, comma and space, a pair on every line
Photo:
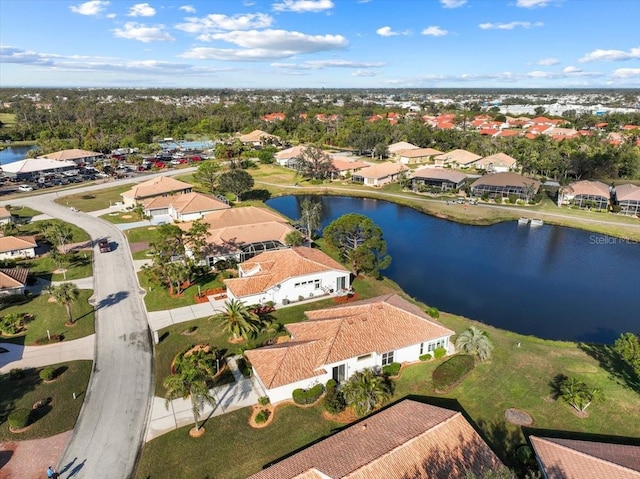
597, 195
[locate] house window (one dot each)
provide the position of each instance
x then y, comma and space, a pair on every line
387, 358
421, 349
317, 283
365, 357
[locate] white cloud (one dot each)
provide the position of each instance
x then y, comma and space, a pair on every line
386, 32
217, 22
141, 10
452, 3
94, 7
509, 26
303, 6
571, 69
568, 72
610, 55
363, 73
548, 62
532, 3
626, 73
143, 33
188, 8
266, 45
435, 31
111, 15
322, 64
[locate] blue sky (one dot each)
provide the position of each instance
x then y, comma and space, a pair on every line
320, 43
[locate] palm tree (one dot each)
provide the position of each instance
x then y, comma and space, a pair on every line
189, 382
578, 394
475, 342
239, 321
365, 391
65, 294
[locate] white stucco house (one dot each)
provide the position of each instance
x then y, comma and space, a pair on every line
337, 342
153, 188
184, 207
17, 247
13, 280
379, 175
287, 275
5, 216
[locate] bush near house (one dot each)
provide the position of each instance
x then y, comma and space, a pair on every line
392, 369
451, 372
307, 396
47, 373
262, 416
334, 401
425, 357
439, 352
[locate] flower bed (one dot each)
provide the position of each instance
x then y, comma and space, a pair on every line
217, 293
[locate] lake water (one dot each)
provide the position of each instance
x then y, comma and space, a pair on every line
549, 281
14, 153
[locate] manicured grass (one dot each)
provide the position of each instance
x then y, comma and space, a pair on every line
52, 316
60, 415
230, 448
119, 217
94, 200
24, 212
142, 234
78, 235
78, 265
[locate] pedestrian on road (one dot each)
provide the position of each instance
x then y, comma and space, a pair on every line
51, 472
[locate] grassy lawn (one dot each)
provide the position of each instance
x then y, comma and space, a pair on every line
78, 265
94, 200
8, 120
60, 415
78, 235
119, 217
52, 316
141, 234
230, 448
23, 212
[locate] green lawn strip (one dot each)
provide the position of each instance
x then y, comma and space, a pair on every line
142, 234
23, 212
230, 448
120, 217
60, 415
141, 254
158, 298
94, 200
79, 265
78, 235
52, 316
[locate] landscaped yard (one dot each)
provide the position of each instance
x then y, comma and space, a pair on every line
119, 217
78, 235
78, 265
23, 212
62, 411
94, 200
51, 317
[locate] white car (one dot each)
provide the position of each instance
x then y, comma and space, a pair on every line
25, 188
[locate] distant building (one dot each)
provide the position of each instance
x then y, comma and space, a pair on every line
585, 194
379, 175
160, 186
443, 179
416, 155
456, 159
498, 163
79, 157
628, 198
30, 169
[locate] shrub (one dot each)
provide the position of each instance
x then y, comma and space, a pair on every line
19, 418
391, 369
16, 373
11, 323
439, 352
307, 396
48, 373
485, 197
425, 357
498, 199
451, 372
262, 416
433, 312
513, 198
331, 384
263, 400
334, 401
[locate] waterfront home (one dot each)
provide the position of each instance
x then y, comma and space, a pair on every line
290, 156
160, 186
13, 280
184, 207
343, 167
442, 179
334, 343
585, 194
498, 163
17, 247
456, 159
409, 439
240, 233
287, 275
502, 185
417, 155
379, 175
574, 459
628, 199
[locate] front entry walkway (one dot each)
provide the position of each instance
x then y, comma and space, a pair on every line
230, 397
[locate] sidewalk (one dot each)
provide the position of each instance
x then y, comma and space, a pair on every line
162, 319
230, 397
18, 356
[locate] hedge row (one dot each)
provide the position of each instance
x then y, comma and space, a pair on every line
307, 396
451, 372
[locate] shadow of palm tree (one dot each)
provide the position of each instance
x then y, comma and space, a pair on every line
613, 363
112, 299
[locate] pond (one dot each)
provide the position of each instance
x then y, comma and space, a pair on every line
548, 281
14, 153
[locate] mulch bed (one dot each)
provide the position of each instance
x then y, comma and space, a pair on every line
346, 299
518, 417
135, 247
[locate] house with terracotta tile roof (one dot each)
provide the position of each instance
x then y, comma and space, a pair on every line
241, 233
501, 185
343, 167
456, 159
5, 216
159, 186
575, 459
585, 194
506, 133
400, 146
287, 275
628, 199
13, 280
17, 247
272, 117
336, 342
257, 137
184, 207
409, 439
417, 155
439, 178
379, 175
290, 156
78, 156
498, 163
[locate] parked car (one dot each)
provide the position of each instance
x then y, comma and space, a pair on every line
103, 245
195, 158
25, 188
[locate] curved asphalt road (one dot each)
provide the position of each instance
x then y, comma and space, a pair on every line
110, 430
